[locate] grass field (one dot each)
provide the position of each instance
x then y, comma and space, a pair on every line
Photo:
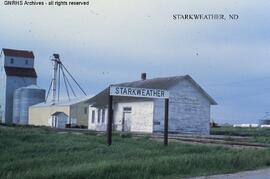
27, 152
261, 135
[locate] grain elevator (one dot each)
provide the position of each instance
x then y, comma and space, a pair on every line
17, 71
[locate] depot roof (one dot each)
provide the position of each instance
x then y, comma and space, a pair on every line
163, 83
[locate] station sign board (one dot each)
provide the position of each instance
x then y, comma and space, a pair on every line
138, 92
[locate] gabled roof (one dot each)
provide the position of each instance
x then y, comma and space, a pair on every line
24, 72
18, 53
57, 113
156, 83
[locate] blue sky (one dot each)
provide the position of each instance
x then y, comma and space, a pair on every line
110, 42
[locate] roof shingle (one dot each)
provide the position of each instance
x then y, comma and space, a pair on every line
18, 53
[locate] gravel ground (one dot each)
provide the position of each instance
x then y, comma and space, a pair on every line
257, 174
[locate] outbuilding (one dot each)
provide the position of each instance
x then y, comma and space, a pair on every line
189, 108
59, 120
74, 112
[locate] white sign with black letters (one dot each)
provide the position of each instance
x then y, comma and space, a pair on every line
138, 92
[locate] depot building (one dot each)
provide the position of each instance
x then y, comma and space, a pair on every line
139, 106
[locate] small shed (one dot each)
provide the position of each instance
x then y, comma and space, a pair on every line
59, 120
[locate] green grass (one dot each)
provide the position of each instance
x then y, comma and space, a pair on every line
29, 152
261, 135
237, 131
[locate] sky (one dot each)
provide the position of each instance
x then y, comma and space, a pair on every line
115, 41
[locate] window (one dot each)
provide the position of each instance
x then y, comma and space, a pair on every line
11, 60
93, 116
127, 109
103, 116
86, 110
26, 62
98, 117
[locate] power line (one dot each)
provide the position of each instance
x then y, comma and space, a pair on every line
49, 90
69, 84
74, 80
65, 82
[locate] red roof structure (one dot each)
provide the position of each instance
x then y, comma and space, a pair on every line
25, 72
18, 53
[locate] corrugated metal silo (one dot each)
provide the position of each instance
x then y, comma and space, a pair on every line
16, 106
30, 95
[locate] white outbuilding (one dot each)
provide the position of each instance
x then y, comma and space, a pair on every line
59, 120
189, 108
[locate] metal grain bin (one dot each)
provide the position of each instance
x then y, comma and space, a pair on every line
16, 106
30, 95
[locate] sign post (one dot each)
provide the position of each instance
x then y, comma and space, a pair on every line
110, 119
166, 121
141, 93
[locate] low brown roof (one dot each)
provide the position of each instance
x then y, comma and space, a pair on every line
25, 72
18, 53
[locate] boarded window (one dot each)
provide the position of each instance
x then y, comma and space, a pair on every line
103, 116
93, 116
